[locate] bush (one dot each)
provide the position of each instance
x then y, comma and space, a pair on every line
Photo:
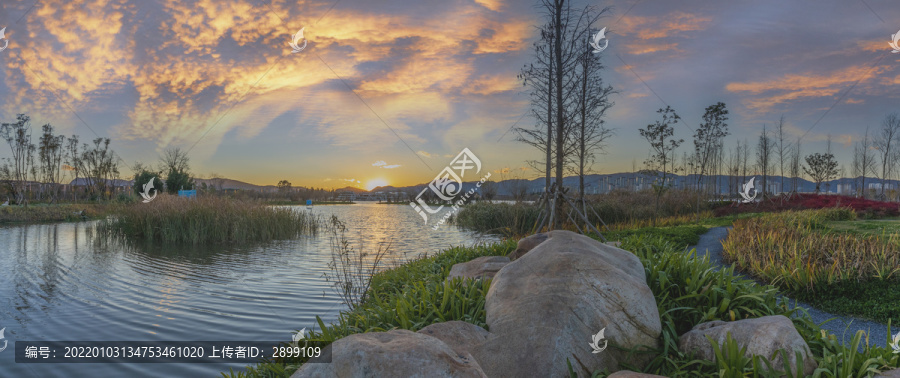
863, 207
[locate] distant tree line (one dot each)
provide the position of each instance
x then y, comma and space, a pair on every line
34, 171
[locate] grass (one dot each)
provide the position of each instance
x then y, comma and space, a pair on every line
206, 219
822, 257
796, 250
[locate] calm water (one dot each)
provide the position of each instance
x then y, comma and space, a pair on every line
58, 283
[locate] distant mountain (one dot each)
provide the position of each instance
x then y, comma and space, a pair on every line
224, 183
594, 183
351, 189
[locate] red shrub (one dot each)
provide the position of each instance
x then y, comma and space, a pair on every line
864, 207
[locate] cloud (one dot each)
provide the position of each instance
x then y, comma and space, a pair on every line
790, 86
424, 154
382, 164
667, 25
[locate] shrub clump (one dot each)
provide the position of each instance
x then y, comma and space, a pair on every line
863, 207
206, 219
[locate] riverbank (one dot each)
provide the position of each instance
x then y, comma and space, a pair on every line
42, 213
689, 290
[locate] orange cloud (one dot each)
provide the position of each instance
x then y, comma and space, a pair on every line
208, 67
796, 86
667, 25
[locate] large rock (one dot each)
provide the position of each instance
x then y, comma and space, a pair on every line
528, 243
482, 267
544, 307
893, 373
762, 337
460, 336
398, 353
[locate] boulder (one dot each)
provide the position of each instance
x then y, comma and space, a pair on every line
893, 373
544, 307
528, 243
459, 336
762, 337
631, 374
397, 353
482, 267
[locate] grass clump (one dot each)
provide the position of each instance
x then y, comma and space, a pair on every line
824, 258
206, 219
797, 251
501, 218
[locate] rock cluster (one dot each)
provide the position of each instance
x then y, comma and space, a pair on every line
545, 304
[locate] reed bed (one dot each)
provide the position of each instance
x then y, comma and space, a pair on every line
206, 219
501, 218
796, 251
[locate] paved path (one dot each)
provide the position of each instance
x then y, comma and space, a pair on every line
844, 327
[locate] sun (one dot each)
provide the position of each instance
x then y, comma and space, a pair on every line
374, 183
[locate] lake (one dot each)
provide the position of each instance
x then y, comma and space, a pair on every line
59, 283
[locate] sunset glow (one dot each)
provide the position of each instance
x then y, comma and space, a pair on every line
374, 183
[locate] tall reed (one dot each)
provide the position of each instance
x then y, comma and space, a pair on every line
206, 219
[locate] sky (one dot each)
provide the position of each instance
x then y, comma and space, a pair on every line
388, 92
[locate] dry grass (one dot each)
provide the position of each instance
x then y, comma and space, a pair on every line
795, 250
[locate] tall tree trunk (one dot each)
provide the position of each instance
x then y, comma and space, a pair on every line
560, 119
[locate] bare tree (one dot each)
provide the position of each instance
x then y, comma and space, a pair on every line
707, 138
795, 167
592, 102
101, 165
764, 149
557, 54
884, 142
863, 162
21, 164
50, 152
660, 135
783, 151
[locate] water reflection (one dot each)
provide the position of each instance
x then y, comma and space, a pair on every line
59, 282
